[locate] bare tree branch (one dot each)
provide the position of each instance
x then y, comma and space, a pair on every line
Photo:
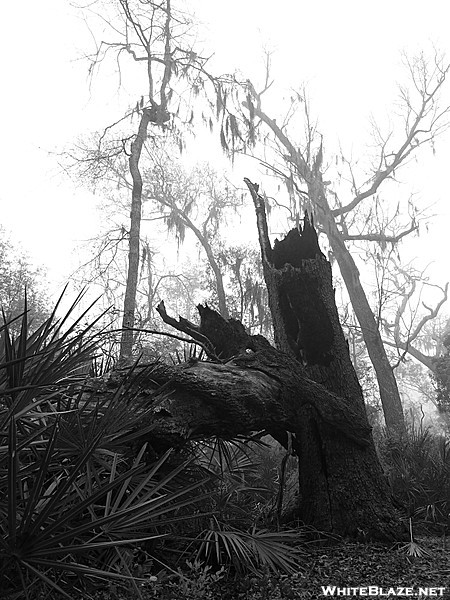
380, 237
414, 130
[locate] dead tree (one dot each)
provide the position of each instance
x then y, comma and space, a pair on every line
304, 393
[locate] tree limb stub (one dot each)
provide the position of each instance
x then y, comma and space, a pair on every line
220, 338
187, 327
263, 231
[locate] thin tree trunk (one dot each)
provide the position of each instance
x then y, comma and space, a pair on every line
221, 297
387, 384
129, 305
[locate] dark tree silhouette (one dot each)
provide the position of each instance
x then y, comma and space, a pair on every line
304, 392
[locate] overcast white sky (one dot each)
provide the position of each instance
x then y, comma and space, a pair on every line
348, 52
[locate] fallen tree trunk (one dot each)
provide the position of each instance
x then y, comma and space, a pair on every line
262, 390
341, 483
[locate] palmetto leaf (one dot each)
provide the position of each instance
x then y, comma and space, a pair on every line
12, 480
37, 489
251, 551
118, 417
49, 356
413, 550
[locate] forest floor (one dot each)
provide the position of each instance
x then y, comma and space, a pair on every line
351, 567
357, 565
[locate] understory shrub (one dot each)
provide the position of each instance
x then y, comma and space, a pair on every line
72, 501
81, 503
418, 468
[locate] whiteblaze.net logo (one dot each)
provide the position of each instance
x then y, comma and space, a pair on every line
380, 592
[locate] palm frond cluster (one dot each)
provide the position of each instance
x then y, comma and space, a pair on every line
79, 496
